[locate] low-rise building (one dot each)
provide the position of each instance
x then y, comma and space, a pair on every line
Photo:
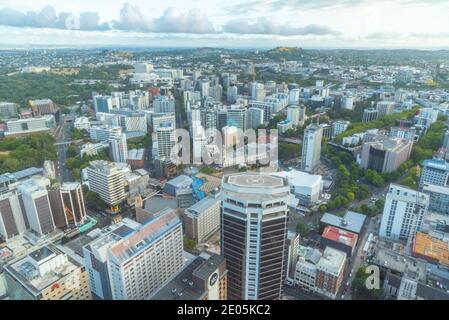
308, 188
339, 239
136, 158
330, 272
47, 274
351, 221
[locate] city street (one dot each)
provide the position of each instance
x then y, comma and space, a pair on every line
358, 257
62, 135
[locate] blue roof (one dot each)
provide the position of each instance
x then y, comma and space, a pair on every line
436, 164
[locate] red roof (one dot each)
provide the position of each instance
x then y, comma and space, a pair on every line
339, 235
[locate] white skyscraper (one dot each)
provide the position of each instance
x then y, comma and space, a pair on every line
293, 96
163, 104
107, 179
254, 118
133, 260
254, 234
118, 148
232, 94
237, 117
257, 91
293, 114
165, 139
347, 102
311, 147
403, 213
205, 88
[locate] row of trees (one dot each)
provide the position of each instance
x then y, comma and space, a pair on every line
384, 122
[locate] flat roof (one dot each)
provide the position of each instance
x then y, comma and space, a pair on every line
205, 203
180, 180
332, 260
339, 235
182, 286
351, 221
144, 236
254, 180
431, 248
299, 178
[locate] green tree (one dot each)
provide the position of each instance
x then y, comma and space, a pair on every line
302, 228
189, 244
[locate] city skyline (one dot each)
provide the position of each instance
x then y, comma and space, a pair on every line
251, 24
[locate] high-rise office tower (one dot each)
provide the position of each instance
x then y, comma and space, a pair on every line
222, 118
403, 213
237, 117
165, 139
231, 94
73, 201
102, 103
254, 234
254, 118
435, 171
205, 88
133, 260
370, 114
36, 204
158, 118
293, 114
293, 96
106, 179
384, 108
257, 91
12, 221
118, 148
163, 104
311, 147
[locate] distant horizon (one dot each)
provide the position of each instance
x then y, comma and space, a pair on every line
243, 48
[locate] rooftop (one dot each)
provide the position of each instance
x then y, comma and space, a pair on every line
180, 181
436, 163
182, 286
431, 249
34, 278
204, 204
255, 180
144, 236
332, 261
339, 235
351, 221
299, 178
136, 154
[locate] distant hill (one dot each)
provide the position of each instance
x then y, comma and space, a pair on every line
285, 53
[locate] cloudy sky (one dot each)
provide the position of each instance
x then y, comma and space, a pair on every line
230, 23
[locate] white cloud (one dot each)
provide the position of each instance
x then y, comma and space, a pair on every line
268, 25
